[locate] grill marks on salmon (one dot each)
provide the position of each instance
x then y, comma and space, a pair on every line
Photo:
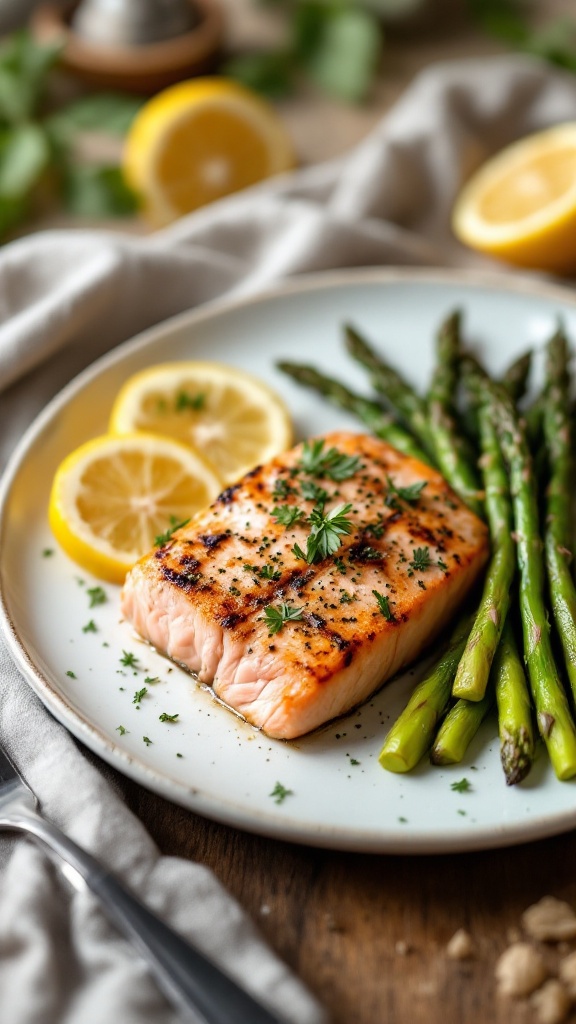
201, 599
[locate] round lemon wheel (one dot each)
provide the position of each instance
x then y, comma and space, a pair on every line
521, 205
200, 140
114, 496
235, 420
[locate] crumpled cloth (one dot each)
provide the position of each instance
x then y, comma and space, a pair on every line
68, 296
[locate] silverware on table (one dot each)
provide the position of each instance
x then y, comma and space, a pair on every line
191, 981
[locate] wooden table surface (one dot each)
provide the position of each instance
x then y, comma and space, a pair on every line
338, 918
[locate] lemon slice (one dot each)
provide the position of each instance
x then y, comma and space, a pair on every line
200, 140
521, 205
113, 496
232, 418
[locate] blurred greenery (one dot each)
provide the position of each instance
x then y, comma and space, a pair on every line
338, 43
37, 151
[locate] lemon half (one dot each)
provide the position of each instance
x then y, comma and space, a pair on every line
232, 418
112, 497
200, 140
521, 205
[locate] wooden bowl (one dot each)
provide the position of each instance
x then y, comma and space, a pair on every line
141, 69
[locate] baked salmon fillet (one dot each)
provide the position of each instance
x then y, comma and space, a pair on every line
310, 582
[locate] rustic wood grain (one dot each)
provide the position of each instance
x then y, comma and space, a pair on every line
340, 919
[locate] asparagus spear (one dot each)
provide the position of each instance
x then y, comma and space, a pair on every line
516, 376
389, 383
380, 423
452, 454
413, 732
474, 668
557, 537
553, 713
459, 728
514, 710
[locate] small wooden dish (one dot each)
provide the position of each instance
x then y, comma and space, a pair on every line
141, 69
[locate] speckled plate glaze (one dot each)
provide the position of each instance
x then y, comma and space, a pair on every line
209, 760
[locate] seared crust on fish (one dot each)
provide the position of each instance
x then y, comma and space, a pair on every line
360, 614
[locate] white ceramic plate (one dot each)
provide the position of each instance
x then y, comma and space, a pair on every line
339, 797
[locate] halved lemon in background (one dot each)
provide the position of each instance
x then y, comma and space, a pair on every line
234, 419
521, 205
114, 496
200, 140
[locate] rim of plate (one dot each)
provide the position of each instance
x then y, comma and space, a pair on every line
279, 825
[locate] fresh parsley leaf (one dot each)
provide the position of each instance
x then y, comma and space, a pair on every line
128, 659
139, 695
463, 786
312, 492
276, 616
282, 489
269, 572
152, 680
90, 627
332, 464
163, 538
280, 793
409, 494
421, 560
167, 718
287, 515
97, 191
327, 528
97, 595
384, 605
298, 553
107, 112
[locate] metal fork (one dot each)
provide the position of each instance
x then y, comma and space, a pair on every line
189, 980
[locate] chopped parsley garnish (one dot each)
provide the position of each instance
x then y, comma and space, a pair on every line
346, 598
90, 627
121, 730
179, 755
71, 674
147, 741
384, 605
297, 551
463, 786
354, 761
408, 494
312, 492
129, 660
139, 695
185, 401
327, 527
163, 538
48, 552
152, 680
167, 718
287, 515
332, 463
282, 489
97, 595
339, 563
422, 561
280, 793
276, 616
269, 572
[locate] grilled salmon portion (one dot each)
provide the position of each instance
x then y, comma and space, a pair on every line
310, 582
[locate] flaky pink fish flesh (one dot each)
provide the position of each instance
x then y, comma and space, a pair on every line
204, 598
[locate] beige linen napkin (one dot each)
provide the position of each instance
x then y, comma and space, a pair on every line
66, 297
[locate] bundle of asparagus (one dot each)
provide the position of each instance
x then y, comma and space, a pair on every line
516, 471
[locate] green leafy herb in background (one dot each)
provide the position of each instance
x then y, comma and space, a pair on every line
37, 145
338, 43
335, 42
